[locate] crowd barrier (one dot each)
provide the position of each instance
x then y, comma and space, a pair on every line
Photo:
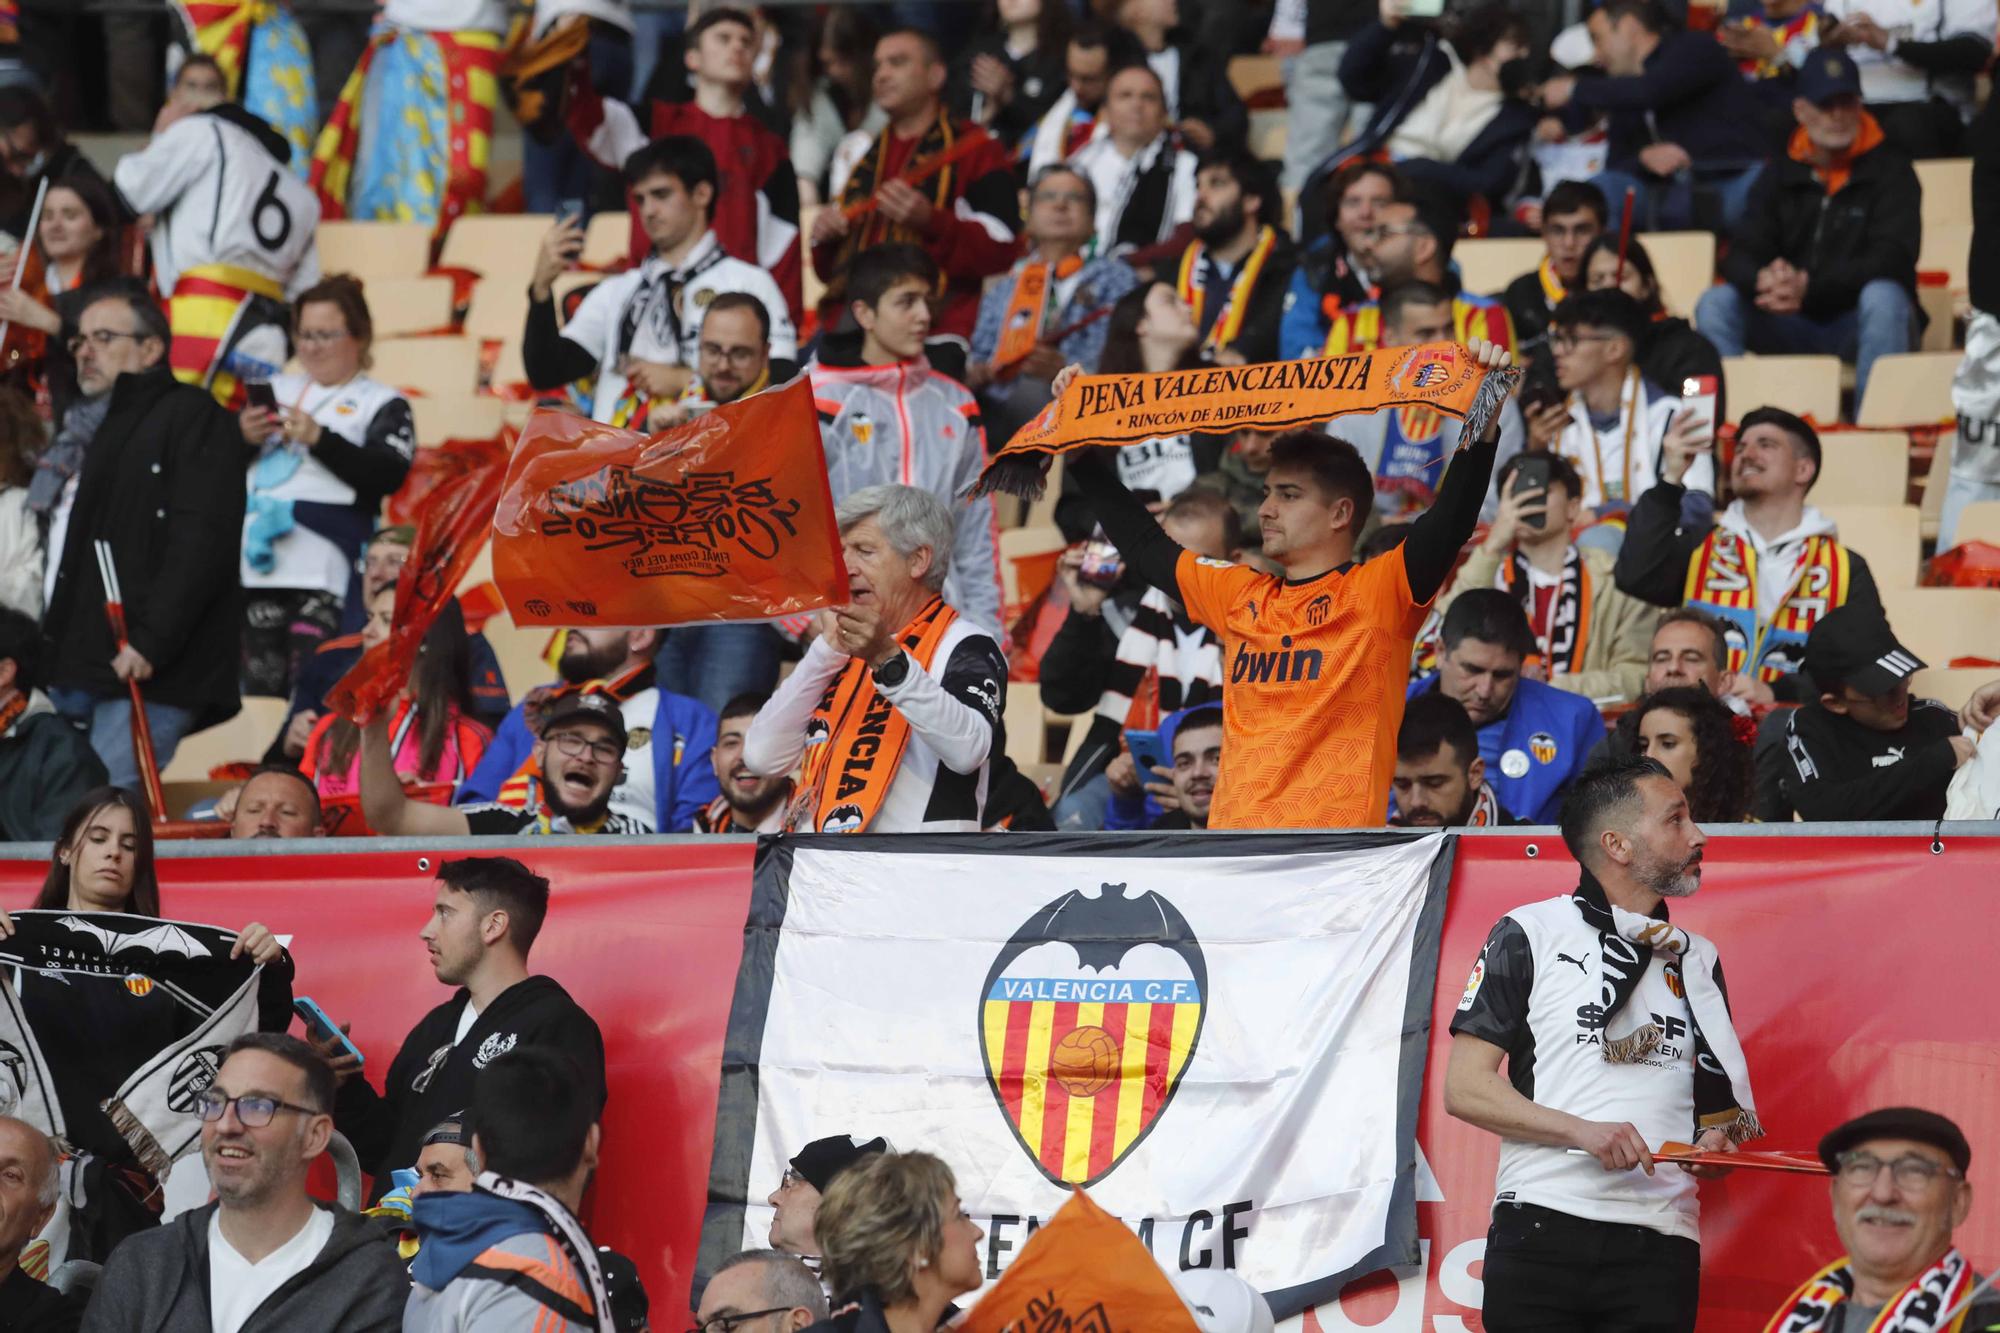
1858, 964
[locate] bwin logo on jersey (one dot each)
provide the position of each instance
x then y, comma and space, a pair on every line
1281, 667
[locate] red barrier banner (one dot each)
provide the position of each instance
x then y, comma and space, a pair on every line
1857, 972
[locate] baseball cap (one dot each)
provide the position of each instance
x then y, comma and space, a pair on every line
1853, 645
629, 1307
1222, 1302
1898, 1122
1827, 74
588, 706
823, 1159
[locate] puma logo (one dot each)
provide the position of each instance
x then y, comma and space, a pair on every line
1565, 958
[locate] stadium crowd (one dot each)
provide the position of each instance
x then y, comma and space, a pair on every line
941, 216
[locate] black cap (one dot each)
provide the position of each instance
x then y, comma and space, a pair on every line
1828, 73
1853, 645
823, 1159
591, 705
1898, 1122
629, 1306
451, 1129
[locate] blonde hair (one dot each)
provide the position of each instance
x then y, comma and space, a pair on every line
878, 1219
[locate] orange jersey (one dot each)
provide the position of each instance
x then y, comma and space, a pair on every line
1314, 679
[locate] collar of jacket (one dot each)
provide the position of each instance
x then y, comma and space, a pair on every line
139, 388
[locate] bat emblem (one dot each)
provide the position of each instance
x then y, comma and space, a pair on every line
165, 938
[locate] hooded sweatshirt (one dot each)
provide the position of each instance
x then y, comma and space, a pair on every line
495, 1265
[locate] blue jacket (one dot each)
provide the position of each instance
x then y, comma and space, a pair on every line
1544, 736
1137, 812
683, 776
1099, 283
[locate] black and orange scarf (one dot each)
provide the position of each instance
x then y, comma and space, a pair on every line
874, 228
1568, 638
1028, 311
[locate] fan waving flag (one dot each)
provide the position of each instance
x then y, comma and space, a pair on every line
1224, 1045
1268, 396
729, 517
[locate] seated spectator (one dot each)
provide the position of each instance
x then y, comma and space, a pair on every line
1448, 111
1684, 126
1234, 274
1671, 352
661, 796
635, 332
30, 1183
1440, 779
1919, 66
1412, 243
1825, 258
46, 765
1142, 175
1333, 272
897, 1246
1239, 475
337, 446
79, 239
275, 802
37, 151
164, 464
757, 1285
1573, 215
1091, 56
1048, 310
795, 1203
1691, 647
749, 803
1591, 639
1617, 419
1011, 72
484, 920
265, 1254
891, 419
1975, 388
834, 100
900, 696
1197, 755
1536, 735
1768, 569
1694, 737
1863, 748
1202, 104
445, 1162
732, 361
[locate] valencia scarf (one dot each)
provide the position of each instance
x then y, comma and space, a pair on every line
873, 227
1568, 637
855, 738
1359, 328
1935, 1302
1722, 580
1028, 311
1626, 943
1192, 284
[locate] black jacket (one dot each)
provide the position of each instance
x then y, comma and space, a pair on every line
1836, 769
1396, 68
1983, 270
46, 766
1207, 95
1674, 352
28, 1306
1257, 339
431, 1078
1690, 93
163, 483
1039, 78
1869, 230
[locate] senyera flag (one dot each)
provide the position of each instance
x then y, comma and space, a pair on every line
728, 517
456, 518
1122, 410
1223, 1042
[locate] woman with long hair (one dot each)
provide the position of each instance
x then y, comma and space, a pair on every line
21, 565
896, 1246
1012, 69
1673, 351
78, 240
835, 98
1694, 734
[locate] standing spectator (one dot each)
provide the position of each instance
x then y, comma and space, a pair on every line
45, 763
964, 217
30, 1183
1825, 258
1197, 759
34, 149
557, 174
1333, 272
1312, 36
835, 101
22, 564
1919, 65
750, 802
1536, 735
1770, 40
900, 695
1693, 736
1573, 215
160, 480
808, 1176
1440, 779
732, 361
80, 242
265, 1255
892, 419
274, 802
1975, 388
1864, 748
1684, 126
1590, 638
1008, 75
636, 331
758, 1284
1091, 56
337, 446
1671, 352
898, 1247
1632, 1047
1235, 272
484, 920
1201, 102
1412, 243
1141, 176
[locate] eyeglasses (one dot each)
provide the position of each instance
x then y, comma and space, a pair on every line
102, 337
1388, 229
735, 356
728, 1323
1077, 197
575, 746
1913, 1174
319, 337
254, 1110
1566, 342
789, 1179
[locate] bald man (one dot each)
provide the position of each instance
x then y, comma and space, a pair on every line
28, 1183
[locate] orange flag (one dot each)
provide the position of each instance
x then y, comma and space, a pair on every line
453, 525
729, 517
1083, 1270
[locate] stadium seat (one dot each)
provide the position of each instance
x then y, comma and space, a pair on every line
409, 305
1940, 307
499, 307
1951, 688
242, 739
607, 241
372, 250
1685, 264
1808, 386
1021, 544
1027, 737
1487, 264
444, 367
1939, 624
1979, 522
1251, 75
1270, 133
507, 367
1885, 535
1863, 468
1947, 249
1909, 389
464, 416
496, 244
1947, 186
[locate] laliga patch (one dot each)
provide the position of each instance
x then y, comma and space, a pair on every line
1473, 982
1514, 763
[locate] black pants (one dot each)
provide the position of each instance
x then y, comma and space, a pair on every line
1548, 1272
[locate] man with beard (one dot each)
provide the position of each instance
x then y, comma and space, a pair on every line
265, 1255
749, 803
276, 802
1617, 1037
1440, 779
1234, 273
666, 780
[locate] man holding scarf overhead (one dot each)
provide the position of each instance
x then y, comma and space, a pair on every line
896, 707
1615, 1027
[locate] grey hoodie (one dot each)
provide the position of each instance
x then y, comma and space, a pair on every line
157, 1282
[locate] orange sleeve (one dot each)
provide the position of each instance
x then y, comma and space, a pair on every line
1391, 604
1210, 587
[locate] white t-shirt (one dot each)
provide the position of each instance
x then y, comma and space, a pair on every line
236, 1287
1622, 462
58, 534
466, 1018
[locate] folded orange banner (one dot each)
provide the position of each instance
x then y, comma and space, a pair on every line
729, 517
1083, 1270
1748, 1159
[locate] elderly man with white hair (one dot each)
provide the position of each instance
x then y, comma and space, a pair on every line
896, 707
29, 1179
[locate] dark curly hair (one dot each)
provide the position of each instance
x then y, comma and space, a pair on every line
1718, 791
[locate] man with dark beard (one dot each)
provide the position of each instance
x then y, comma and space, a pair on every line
667, 778
1234, 273
749, 803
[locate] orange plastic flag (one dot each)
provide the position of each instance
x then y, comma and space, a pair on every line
729, 517
1084, 1270
456, 517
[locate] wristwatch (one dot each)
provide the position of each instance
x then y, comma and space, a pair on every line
891, 673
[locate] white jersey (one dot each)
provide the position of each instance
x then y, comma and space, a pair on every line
1621, 462
633, 796
1884, 78
219, 196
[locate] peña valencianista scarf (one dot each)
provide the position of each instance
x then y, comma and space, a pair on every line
1626, 943
1936, 1301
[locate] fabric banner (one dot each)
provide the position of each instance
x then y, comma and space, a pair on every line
1224, 1045
728, 517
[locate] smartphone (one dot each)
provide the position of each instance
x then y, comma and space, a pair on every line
1532, 474
1698, 397
1102, 566
259, 393
569, 211
322, 1028
1540, 391
1148, 753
